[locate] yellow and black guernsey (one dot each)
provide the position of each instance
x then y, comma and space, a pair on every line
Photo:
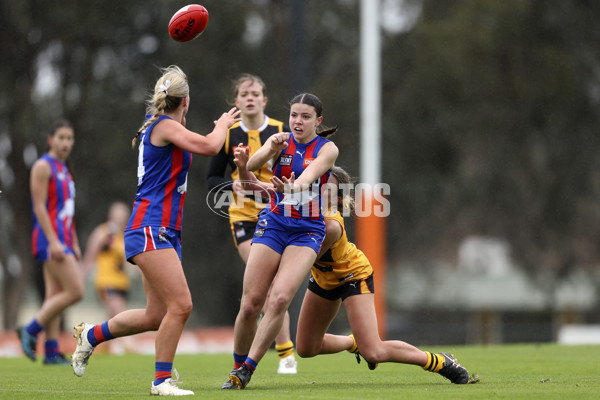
246, 209
342, 262
110, 262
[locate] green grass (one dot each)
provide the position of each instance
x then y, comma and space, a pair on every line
544, 371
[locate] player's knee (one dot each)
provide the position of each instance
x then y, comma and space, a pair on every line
304, 351
372, 354
250, 308
76, 294
185, 309
152, 322
181, 308
278, 304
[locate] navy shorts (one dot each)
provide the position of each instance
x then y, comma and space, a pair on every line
42, 254
151, 238
278, 231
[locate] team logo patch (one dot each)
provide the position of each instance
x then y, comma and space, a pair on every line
263, 223
286, 160
259, 232
162, 234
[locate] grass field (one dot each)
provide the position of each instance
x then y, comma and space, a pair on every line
543, 371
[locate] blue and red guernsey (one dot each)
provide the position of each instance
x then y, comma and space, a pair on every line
60, 205
162, 183
295, 158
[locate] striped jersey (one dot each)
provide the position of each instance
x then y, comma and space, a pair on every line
60, 205
295, 158
162, 183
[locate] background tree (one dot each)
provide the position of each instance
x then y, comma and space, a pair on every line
491, 112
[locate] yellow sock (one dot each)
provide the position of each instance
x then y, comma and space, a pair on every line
354, 347
435, 362
285, 349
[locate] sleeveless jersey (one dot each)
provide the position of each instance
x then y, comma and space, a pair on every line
342, 262
295, 158
110, 272
60, 205
162, 183
247, 209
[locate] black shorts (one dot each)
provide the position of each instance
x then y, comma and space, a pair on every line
242, 231
350, 288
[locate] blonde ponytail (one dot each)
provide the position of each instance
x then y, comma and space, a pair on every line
170, 90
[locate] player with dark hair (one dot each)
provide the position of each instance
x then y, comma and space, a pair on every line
253, 130
288, 234
342, 274
54, 242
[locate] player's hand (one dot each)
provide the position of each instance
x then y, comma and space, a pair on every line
229, 118
241, 155
284, 185
57, 251
279, 141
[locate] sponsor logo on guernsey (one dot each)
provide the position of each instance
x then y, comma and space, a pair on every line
301, 153
307, 162
286, 160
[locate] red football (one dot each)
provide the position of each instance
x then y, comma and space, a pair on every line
188, 22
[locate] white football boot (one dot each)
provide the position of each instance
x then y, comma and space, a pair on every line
287, 365
84, 349
169, 387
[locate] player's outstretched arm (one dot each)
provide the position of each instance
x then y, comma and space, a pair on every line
248, 180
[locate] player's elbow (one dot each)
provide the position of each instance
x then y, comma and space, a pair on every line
212, 150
